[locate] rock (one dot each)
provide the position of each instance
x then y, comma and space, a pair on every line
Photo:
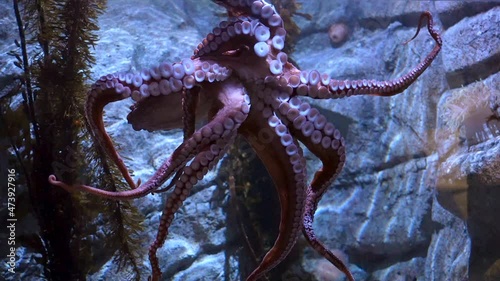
448, 254
208, 268
471, 50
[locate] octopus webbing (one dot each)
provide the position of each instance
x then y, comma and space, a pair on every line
241, 82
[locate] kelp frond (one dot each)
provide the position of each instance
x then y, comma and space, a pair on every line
122, 220
55, 58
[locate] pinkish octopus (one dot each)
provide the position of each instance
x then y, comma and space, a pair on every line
241, 81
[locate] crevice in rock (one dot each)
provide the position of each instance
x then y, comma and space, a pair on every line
400, 160
466, 9
475, 72
447, 18
406, 19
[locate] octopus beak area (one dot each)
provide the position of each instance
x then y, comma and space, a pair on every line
155, 113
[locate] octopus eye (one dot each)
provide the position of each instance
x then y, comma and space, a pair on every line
232, 53
236, 52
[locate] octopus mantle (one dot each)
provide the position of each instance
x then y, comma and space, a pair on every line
241, 81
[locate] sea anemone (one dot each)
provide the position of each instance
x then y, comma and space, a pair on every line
338, 33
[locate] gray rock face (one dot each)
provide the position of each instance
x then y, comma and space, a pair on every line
473, 49
8, 33
416, 162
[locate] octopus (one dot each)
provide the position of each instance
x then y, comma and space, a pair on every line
240, 82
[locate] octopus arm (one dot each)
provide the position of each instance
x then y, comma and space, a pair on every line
320, 86
103, 92
284, 161
325, 141
231, 115
94, 107
189, 105
177, 160
191, 174
209, 144
151, 84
